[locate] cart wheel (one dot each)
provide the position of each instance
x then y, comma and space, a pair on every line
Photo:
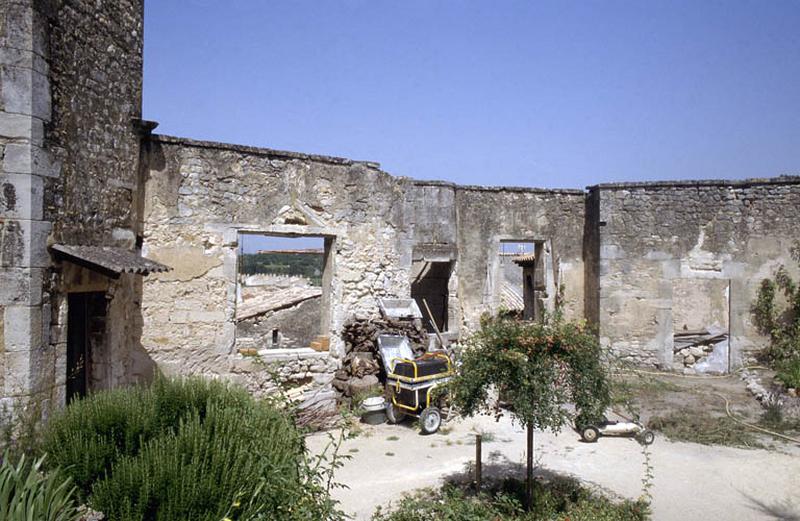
647, 437
430, 420
590, 434
394, 414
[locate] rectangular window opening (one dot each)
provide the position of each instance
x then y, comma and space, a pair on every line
282, 290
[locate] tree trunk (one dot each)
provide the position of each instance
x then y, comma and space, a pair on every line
529, 475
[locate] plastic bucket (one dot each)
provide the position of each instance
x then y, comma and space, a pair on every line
374, 410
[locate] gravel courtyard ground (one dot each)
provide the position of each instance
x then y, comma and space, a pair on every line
692, 481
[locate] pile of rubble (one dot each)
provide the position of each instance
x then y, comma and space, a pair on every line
361, 367
691, 347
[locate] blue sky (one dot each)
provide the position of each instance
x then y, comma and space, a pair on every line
551, 94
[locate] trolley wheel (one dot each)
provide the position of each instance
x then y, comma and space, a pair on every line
394, 414
590, 434
430, 420
647, 437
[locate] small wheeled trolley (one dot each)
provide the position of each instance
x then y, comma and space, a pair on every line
414, 386
590, 433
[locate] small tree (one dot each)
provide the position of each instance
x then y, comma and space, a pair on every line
535, 368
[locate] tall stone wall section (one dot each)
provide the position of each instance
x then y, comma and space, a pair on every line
673, 253
487, 216
201, 196
70, 81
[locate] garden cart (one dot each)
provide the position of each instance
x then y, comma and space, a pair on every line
414, 386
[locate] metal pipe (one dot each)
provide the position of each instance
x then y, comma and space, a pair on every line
478, 462
529, 477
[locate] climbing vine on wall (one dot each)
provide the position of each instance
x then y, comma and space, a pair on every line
776, 313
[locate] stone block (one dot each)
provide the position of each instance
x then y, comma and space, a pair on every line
24, 158
24, 91
17, 373
23, 243
23, 58
23, 328
20, 286
21, 196
16, 126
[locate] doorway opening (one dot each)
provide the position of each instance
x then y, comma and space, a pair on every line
86, 332
429, 285
513, 282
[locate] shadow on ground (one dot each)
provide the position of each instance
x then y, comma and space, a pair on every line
785, 510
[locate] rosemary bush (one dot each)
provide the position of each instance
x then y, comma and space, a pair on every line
189, 449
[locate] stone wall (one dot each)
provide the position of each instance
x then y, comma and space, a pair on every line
671, 254
70, 84
201, 196
488, 216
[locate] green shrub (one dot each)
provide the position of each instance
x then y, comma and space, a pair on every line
780, 320
27, 494
91, 434
789, 372
197, 472
189, 449
559, 498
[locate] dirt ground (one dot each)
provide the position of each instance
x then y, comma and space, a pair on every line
691, 481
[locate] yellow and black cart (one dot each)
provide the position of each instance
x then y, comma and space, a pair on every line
414, 386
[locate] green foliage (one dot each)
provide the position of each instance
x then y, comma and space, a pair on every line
90, 435
299, 264
195, 473
559, 498
536, 368
186, 449
789, 372
28, 494
780, 320
20, 429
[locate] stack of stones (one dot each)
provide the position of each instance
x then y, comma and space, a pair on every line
691, 347
362, 368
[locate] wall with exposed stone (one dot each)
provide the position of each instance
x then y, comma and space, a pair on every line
684, 256
70, 84
201, 196
488, 216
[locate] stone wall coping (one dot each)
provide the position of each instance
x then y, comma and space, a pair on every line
297, 353
699, 183
285, 154
479, 188
261, 151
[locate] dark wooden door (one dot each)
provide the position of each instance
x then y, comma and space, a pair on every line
86, 317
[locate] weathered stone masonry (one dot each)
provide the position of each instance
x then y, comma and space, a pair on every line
70, 77
688, 254
641, 261
201, 196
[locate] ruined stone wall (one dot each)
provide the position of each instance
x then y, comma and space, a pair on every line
673, 254
487, 216
200, 196
24, 112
